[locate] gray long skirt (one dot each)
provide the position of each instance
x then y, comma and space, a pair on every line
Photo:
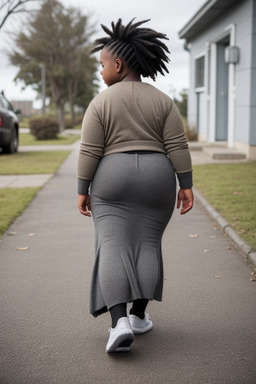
132, 198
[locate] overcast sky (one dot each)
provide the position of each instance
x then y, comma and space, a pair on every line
167, 16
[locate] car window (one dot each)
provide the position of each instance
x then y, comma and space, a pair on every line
1, 102
5, 103
9, 106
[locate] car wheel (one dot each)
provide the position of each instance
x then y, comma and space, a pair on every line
12, 147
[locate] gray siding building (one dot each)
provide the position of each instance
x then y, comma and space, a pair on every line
221, 39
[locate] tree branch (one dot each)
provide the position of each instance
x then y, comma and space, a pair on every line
13, 8
4, 4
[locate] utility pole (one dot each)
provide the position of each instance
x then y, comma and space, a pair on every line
42, 66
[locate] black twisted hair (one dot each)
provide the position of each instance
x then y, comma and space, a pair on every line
140, 48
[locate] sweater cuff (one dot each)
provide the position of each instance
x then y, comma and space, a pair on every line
83, 186
185, 180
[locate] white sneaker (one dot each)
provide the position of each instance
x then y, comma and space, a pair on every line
140, 326
121, 337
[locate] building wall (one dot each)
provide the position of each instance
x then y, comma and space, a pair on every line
26, 107
253, 80
244, 74
243, 16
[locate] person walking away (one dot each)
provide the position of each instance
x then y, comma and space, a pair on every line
132, 147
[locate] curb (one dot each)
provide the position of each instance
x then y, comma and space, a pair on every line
246, 250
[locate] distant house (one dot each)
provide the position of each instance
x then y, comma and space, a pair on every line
221, 39
26, 107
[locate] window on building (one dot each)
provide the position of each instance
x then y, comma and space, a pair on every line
200, 72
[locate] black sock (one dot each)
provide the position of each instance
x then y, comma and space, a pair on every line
117, 312
139, 307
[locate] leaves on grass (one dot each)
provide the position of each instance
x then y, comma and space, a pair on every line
233, 195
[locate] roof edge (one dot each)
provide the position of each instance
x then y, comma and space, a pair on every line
208, 12
197, 16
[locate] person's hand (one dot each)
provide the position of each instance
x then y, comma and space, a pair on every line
84, 205
185, 196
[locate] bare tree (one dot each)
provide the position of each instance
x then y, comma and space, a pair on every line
58, 38
11, 7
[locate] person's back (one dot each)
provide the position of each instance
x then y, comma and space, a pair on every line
133, 106
135, 116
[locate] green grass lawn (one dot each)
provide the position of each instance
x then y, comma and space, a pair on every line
231, 190
29, 163
12, 203
14, 200
28, 139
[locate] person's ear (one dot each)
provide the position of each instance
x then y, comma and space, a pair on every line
119, 65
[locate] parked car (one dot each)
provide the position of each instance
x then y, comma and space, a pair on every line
9, 126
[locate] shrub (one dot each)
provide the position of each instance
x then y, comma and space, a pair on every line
191, 133
78, 120
43, 127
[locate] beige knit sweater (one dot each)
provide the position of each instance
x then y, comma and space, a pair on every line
132, 116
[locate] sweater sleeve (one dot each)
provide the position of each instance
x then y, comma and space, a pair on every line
91, 148
176, 146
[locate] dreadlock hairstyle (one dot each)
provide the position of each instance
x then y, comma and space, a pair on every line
140, 48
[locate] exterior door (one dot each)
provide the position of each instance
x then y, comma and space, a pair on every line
221, 94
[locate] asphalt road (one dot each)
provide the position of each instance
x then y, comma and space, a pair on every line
204, 330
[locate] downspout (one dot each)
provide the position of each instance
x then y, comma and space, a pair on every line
212, 107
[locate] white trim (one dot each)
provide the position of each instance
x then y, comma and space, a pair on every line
213, 75
224, 33
231, 91
207, 64
228, 31
200, 89
231, 30
199, 55
207, 85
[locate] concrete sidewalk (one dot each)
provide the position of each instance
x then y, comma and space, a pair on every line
23, 181
199, 152
204, 330
202, 153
